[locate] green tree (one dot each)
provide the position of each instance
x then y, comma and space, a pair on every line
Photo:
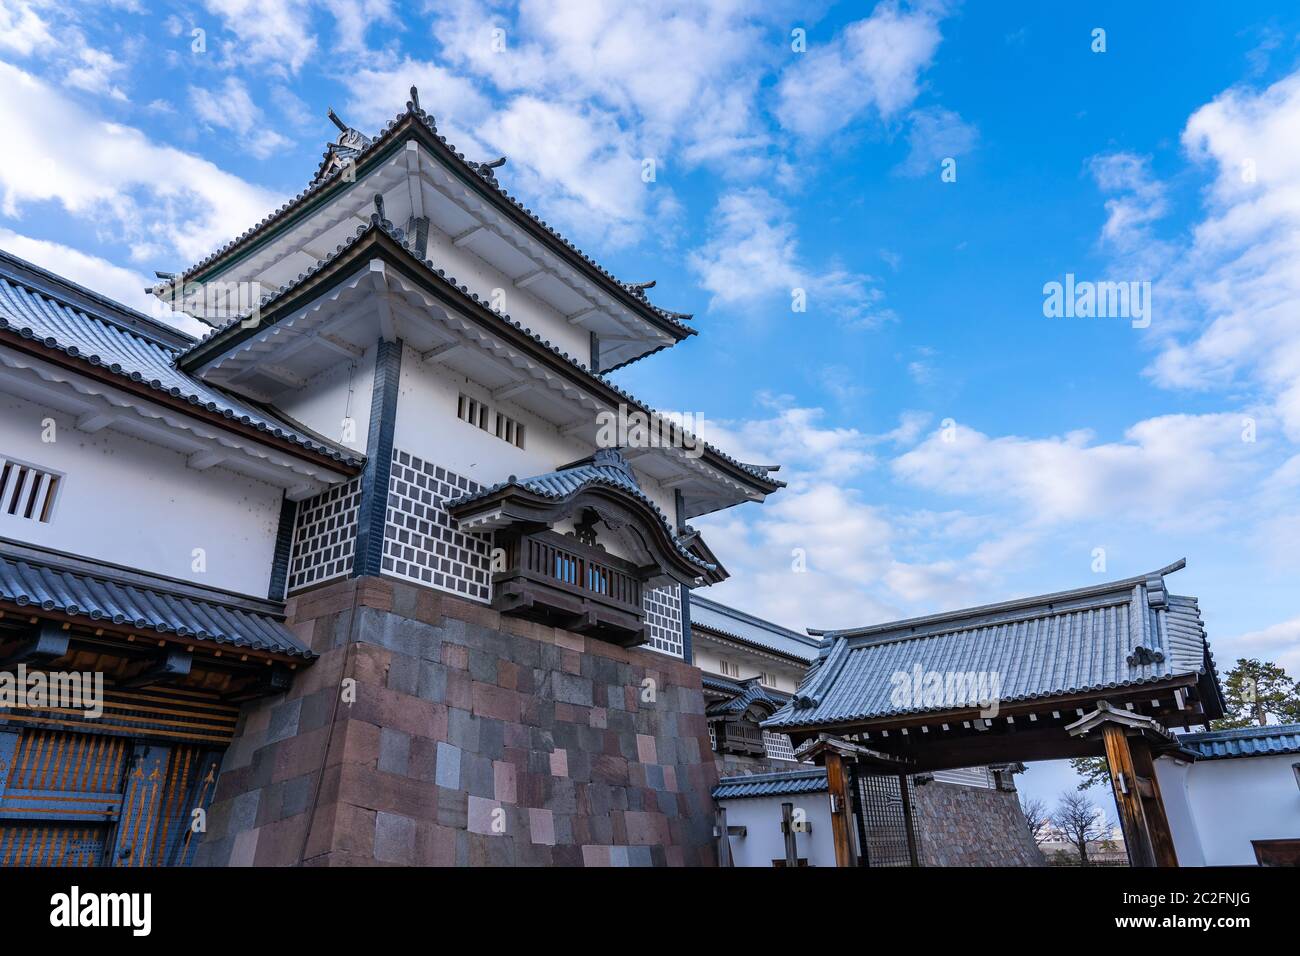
1253, 692
1256, 691
1092, 771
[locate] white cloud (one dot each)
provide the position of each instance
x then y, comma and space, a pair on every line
1179, 469
752, 255
232, 108
275, 33
163, 202
1237, 281
22, 30
672, 72
820, 553
1140, 200
872, 67
936, 134
96, 72
1279, 643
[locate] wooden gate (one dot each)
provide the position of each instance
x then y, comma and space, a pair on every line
109, 797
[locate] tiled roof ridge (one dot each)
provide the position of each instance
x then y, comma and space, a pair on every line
774, 776
1107, 592
415, 112
811, 642
398, 235
50, 342
136, 593
1242, 733
59, 287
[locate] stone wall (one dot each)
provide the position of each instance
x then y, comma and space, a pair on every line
434, 731
972, 826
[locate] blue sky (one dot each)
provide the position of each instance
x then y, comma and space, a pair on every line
1172, 158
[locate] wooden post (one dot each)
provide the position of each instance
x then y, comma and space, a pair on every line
724, 841
787, 828
908, 822
841, 829
1153, 804
1123, 780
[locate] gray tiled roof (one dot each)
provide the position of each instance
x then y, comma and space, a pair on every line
1068, 642
750, 692
36, 310
722, 685
786, 783
1244, 741
375, 145
109, 596
747, 629
607, 467
398, 235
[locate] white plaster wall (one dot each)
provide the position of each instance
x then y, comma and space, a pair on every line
427, 426
343, 391
1173, 778
708, 657
1228, 802
134, 503
764, 841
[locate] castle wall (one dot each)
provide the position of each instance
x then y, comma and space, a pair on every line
972, 826
471, 739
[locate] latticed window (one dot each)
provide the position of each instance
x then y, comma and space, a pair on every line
472, 411
778, 746
510, 430
26, 491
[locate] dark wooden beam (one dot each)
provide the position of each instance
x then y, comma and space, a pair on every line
909, 821
724, 839
841, 827
1153, 804
174, 666
49, 643
1123, 780
787, 830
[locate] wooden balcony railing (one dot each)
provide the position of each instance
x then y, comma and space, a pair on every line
559, 580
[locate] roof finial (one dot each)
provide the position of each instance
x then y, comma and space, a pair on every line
379, 205
495, 164
334, 118
641, 286
415, 99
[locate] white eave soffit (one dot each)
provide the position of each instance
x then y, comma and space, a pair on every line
95, 406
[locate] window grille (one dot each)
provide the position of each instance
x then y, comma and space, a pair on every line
28, 492
510, 430
778, 746
472, 411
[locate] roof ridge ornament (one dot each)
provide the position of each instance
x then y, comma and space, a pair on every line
349, 137
487, 169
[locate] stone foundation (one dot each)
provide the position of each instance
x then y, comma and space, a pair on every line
972, 826
434, 731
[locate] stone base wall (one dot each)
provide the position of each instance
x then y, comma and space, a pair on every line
972, 826
434, 731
